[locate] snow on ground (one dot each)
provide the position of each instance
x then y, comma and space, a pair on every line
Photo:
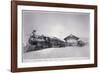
65, 52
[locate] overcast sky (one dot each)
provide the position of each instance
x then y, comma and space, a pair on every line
57, 24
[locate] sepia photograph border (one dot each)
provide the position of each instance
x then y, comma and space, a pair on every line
14, 35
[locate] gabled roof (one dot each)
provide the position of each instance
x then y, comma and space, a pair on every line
71, 37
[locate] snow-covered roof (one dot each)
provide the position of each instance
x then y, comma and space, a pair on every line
71, 36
